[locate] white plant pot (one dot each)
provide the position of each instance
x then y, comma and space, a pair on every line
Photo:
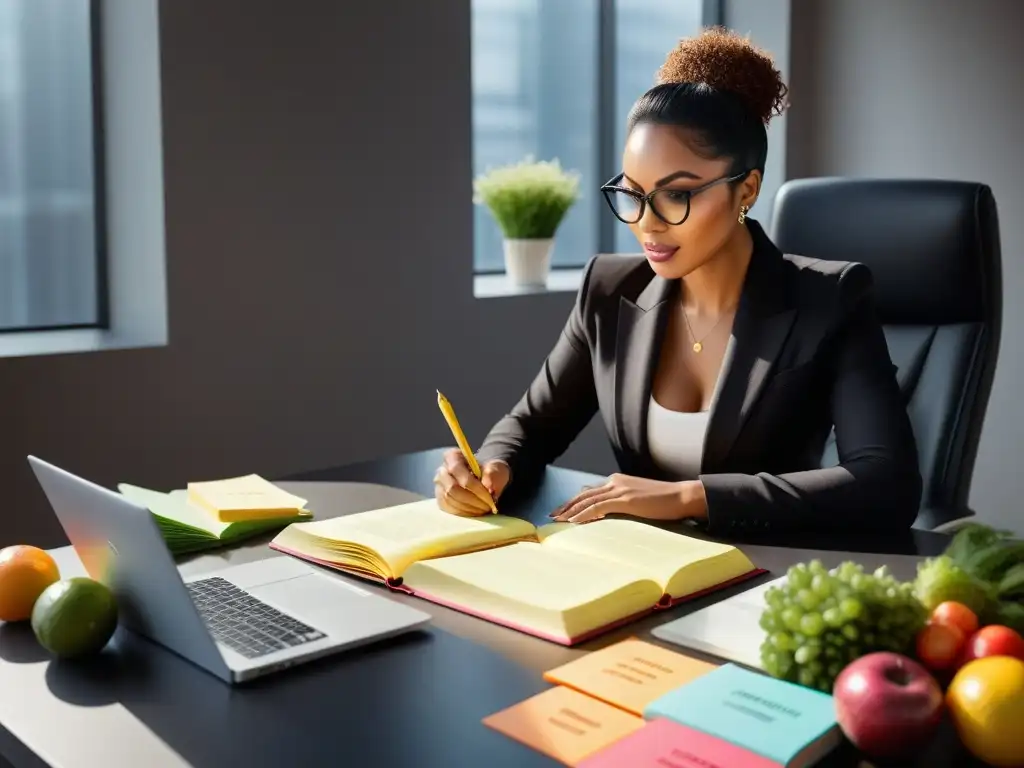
528, 262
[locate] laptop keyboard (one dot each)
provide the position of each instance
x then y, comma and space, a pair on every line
245, 624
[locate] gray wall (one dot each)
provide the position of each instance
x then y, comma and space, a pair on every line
319, 265
926, 88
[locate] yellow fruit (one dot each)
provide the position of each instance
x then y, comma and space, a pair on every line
986, 703
24, 573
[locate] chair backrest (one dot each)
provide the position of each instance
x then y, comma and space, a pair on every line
933, 248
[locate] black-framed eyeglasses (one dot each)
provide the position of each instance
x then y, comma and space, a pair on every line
672, 206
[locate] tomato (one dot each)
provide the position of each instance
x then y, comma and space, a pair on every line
993, 640
957, 615
939, 645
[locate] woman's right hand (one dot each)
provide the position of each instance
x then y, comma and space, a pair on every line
458, 490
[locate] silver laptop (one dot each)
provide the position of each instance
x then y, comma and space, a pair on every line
238, 623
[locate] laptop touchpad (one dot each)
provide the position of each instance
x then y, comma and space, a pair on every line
315, 598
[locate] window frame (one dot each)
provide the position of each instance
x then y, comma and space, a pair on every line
712, 14
99, 165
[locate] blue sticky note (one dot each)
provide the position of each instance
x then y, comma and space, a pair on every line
785, 722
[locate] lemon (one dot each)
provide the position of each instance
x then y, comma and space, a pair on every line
986, 702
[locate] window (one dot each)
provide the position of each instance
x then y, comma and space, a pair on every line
50, 239
535, 93
645, 31
548, 78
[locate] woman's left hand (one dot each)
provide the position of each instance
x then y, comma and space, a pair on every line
635, 496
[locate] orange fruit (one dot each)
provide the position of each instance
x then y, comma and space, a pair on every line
25, 572
986, 702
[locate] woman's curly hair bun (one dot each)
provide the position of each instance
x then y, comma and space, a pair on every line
725, 61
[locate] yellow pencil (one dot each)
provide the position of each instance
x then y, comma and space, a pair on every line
460, 438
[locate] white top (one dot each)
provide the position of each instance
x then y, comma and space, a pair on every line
676, 439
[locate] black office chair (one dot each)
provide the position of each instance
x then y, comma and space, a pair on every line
933, 248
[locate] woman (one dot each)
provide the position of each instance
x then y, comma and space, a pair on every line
718, 365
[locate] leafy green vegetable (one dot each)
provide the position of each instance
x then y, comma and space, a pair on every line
969, 539
1011, 615
983, 568
940, 579
1012, 583
992, 562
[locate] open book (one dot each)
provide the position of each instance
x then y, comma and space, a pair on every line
563, 582
189, 528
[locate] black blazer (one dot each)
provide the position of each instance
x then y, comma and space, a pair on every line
807, 353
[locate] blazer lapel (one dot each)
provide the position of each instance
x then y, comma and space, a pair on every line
763, 321
641, 329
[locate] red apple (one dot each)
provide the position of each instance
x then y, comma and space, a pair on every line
888, 705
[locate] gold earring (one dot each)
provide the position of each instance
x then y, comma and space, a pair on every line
743, 213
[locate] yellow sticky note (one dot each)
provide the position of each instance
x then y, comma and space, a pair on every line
243, 498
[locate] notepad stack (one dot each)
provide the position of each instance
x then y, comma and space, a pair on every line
215, 513
244, 499
730, 716
639, 705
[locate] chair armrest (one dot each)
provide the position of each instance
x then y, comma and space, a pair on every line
943, 519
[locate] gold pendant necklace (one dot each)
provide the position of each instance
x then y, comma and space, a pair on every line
698, 344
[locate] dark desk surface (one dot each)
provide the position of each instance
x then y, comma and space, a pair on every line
416, 701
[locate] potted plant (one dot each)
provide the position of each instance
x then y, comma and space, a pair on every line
528, 201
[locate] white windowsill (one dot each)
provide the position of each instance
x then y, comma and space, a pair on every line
559, 281
59, 342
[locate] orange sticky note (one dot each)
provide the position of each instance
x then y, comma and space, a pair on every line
630, 674
564, 724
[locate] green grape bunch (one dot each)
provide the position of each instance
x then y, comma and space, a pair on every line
817, 621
